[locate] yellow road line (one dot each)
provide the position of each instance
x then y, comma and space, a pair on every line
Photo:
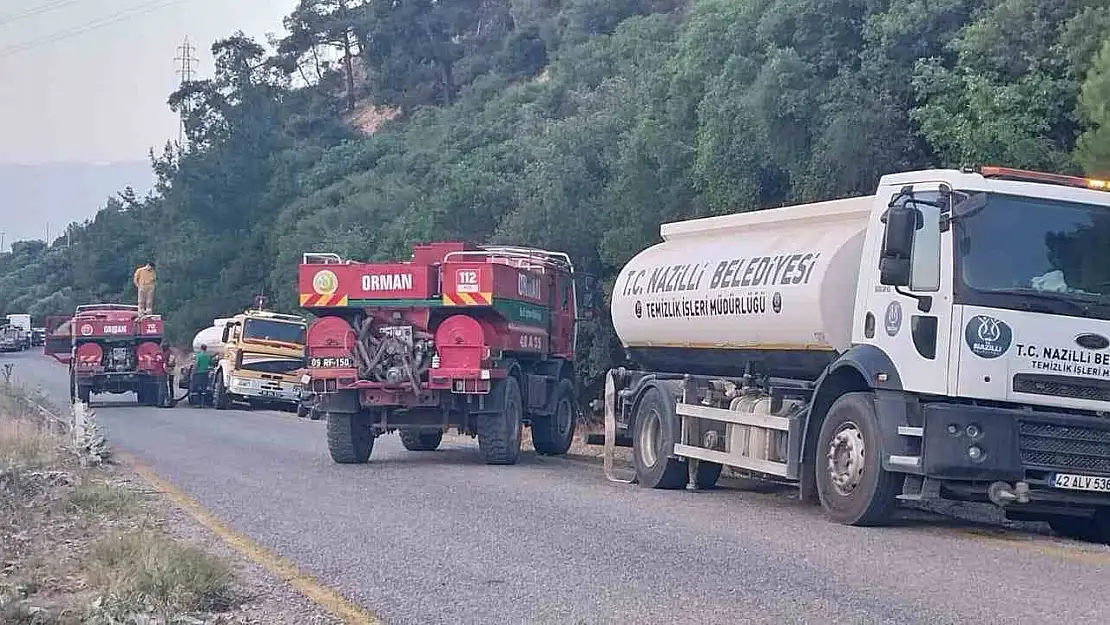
281, 568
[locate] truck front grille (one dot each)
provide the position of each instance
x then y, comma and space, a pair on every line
1062, 386
1067, 448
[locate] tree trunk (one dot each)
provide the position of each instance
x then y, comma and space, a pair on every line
348, 65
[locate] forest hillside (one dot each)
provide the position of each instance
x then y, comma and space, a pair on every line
577, 125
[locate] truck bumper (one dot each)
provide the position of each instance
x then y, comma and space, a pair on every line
253, 389
115, 382
985, 444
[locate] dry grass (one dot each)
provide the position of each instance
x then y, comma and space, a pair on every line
145, 570
25, 443
77, 546
96, 498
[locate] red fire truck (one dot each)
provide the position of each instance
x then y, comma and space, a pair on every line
479, 339
110, 348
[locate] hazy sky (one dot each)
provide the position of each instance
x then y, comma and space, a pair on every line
87, 80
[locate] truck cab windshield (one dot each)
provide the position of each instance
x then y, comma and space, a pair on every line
268, 330
1021, 252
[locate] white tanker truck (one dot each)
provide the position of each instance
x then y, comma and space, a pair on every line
946, 337
212, 338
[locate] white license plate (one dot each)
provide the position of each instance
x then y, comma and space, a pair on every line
269, 393
1081, 482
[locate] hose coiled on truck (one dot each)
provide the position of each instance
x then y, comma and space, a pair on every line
375, 354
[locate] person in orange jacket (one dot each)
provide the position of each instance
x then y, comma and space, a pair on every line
144, 282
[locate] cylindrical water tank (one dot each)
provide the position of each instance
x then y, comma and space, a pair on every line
775, 289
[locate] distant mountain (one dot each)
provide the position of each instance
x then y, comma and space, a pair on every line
33, 196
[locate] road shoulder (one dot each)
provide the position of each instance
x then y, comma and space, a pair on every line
95, 543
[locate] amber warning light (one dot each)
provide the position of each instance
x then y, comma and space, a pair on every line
1021, 175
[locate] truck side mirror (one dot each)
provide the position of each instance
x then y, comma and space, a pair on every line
902, 221
586, 295
227, 331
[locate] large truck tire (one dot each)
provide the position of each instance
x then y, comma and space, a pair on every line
350, 437
147, 392
499, 432
552, 435
84, 393
220, 397
708, 474
421, 440
1094, 529
653, 437
852, 485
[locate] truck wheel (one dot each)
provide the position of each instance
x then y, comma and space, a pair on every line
853, 486
653, 438
350, 438
148, 394
84, 393
552, 435
416, 440
708, 474
302, 411
499, 433
221, 399
72, 387
1094, 529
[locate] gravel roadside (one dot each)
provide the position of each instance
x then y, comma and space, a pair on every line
264, 599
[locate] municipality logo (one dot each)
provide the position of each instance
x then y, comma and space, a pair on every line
988, 337
893, 318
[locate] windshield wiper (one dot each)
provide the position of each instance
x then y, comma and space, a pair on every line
1076, 302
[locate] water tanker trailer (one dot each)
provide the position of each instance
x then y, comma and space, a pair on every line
479, 339
947, 337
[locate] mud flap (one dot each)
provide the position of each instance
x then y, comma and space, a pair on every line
610, 411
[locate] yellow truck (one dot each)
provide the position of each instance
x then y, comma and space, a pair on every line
257, 357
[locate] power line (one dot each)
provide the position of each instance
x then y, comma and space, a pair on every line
39, 10
121, 16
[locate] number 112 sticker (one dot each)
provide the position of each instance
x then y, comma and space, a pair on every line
466, 281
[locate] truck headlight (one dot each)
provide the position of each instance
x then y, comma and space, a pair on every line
975, 453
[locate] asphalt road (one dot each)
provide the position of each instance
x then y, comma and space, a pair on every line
438, 537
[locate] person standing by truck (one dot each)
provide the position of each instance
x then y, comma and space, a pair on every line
161, 396
170, 362
144, 282
202, 365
